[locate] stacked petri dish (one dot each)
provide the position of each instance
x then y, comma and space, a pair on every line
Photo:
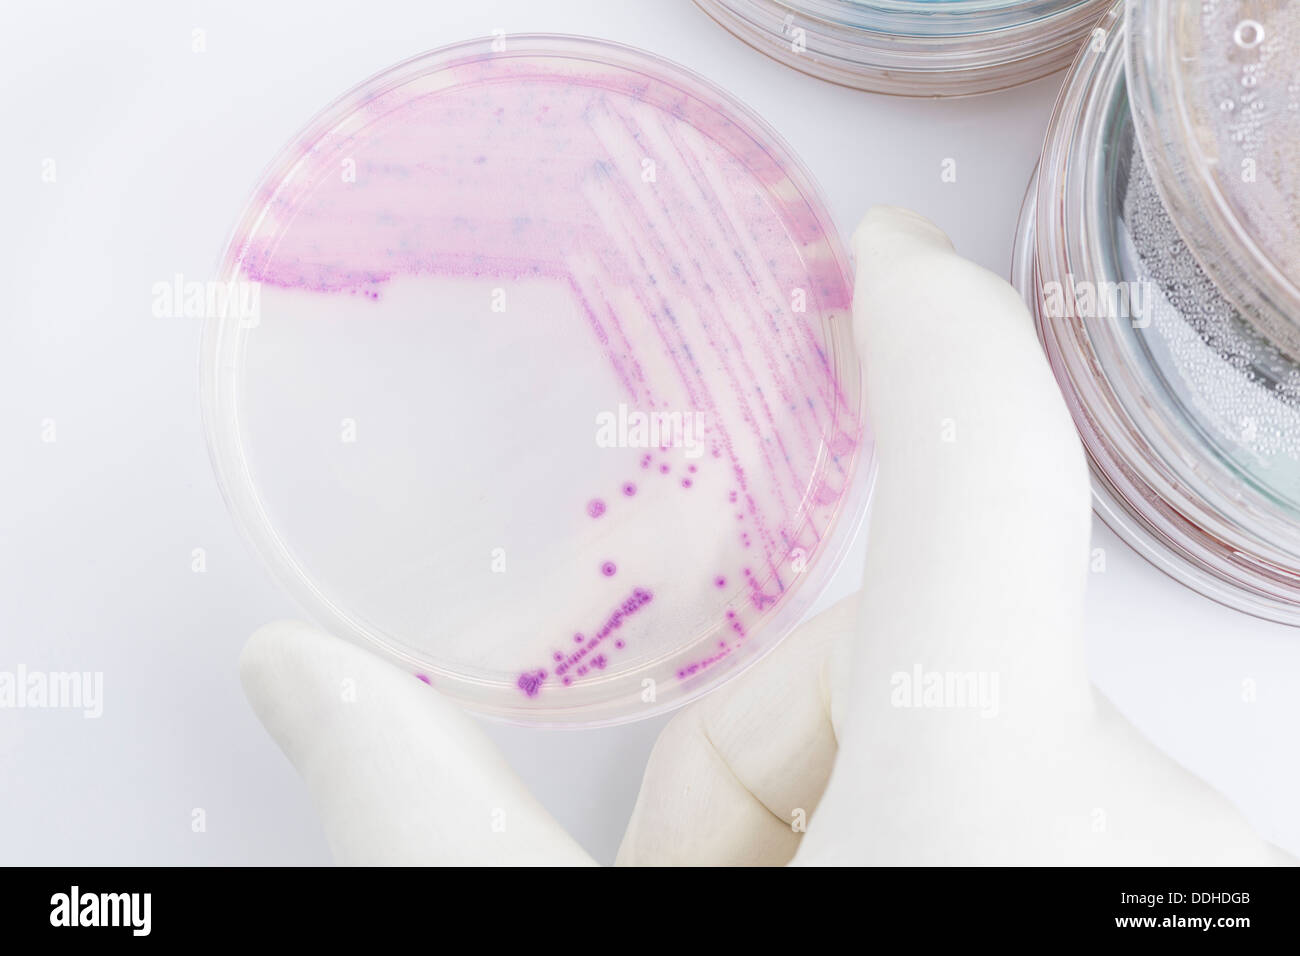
538, 378
1157, 252
915, 47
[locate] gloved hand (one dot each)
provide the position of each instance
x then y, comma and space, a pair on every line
856, 725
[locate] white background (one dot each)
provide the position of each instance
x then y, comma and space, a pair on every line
156, 148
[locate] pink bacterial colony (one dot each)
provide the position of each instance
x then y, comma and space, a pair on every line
606, 180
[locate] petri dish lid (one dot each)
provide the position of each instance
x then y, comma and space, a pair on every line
1190, 419
535, 375
914, 47
1215, 92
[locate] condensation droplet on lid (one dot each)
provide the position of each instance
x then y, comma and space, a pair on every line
1249, 34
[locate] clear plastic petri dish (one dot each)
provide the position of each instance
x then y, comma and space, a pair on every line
537, 377
915, 47
1216, 99
1190, 414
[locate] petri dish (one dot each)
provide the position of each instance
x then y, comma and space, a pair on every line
1189, 410
538, 379
1216, 100
914, 47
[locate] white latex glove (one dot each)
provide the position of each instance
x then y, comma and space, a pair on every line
979, 543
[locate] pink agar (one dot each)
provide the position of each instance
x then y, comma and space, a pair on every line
669, 226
